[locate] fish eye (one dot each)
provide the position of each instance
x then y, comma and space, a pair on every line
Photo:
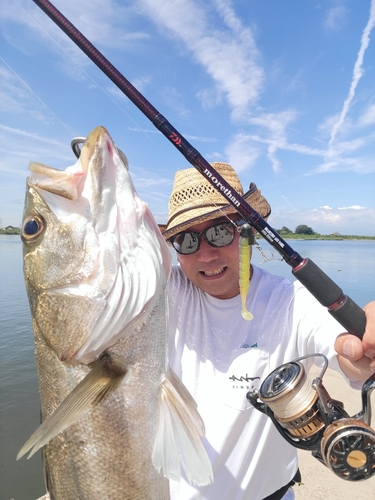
32, 228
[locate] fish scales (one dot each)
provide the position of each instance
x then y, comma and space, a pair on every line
96, 268
107, 454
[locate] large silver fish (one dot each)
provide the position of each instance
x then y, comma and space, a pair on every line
116, 421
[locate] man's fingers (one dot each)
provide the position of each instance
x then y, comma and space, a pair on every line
349, 346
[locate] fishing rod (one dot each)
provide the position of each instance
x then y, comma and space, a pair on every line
321, 286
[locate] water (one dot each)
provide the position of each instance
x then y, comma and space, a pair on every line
351, 264
19, 398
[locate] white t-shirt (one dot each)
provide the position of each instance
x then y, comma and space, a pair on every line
220, 357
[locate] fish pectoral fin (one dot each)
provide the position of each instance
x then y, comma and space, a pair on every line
178, 441
99, 382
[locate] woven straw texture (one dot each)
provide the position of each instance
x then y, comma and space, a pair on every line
195, 200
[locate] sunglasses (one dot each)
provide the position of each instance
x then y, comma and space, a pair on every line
218, 235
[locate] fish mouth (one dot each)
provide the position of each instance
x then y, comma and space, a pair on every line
214, 272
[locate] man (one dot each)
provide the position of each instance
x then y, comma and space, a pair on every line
220, 356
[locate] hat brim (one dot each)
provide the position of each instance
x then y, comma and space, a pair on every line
202, 213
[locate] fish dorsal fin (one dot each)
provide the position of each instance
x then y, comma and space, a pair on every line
178, 441
89, 392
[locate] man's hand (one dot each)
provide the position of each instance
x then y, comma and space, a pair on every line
357, 357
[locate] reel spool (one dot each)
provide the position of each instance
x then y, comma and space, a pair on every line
308, 418
289, 394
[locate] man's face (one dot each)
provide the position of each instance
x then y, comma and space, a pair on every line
215, 270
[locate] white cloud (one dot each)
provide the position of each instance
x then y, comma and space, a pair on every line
335, 18
348, 146
209, 97
21, 146
229, 56
200, 138
353, 207
242, 152
226, 49
367, 117
14, 96
361, 165
329, 220
31, 135
273, 135
275, 124
100, 21
357, 73
174, 100
141, 83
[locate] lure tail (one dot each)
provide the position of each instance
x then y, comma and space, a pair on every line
246, 235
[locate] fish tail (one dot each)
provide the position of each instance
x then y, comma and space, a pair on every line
178, 441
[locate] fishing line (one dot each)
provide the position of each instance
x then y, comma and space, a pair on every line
263, 254
322, 287
90, 77
36, 95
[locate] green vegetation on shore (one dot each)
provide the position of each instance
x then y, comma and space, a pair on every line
317, 236
10, 230
302, 232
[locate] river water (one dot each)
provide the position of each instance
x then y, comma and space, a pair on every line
351, 264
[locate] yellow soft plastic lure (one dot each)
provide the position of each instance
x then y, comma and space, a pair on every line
245, 256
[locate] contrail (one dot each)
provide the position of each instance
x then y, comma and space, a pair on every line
357, 72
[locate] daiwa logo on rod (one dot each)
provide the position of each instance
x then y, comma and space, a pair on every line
227, 192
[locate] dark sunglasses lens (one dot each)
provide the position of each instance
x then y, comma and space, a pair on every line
186, 243
220, 235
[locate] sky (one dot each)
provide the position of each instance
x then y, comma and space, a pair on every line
284, 91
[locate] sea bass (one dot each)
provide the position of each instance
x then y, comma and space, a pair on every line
116, 421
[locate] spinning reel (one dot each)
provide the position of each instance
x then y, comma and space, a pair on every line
309, 419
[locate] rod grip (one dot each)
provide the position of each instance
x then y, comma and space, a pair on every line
330, 295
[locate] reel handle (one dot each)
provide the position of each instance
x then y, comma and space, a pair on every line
330, 295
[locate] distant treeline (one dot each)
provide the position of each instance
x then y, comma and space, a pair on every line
10, 230
301, 232
304, 232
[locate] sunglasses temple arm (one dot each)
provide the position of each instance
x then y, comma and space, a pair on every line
349, 314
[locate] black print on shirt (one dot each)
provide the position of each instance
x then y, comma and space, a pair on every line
243, 379
237, 382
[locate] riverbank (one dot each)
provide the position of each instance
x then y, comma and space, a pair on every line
322, 237
288, 236
326, 237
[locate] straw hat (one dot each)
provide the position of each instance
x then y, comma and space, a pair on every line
195, 200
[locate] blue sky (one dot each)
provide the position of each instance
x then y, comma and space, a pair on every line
284, 91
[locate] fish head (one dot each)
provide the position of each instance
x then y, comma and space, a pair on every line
94, 257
